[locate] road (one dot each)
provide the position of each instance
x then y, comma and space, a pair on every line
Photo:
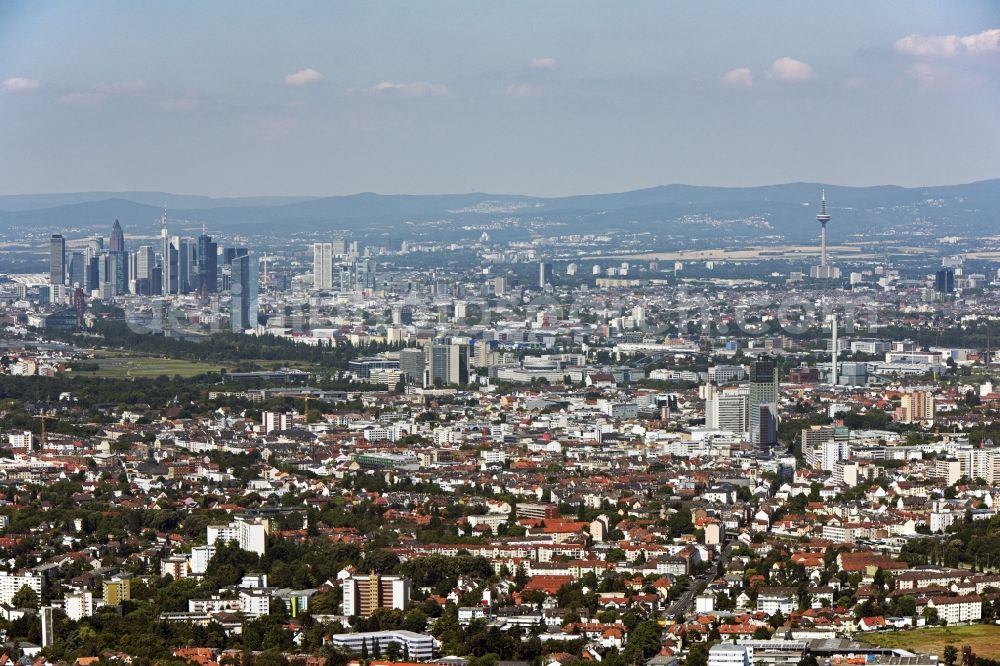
685, 602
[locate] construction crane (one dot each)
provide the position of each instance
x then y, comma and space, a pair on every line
43, 418
305, 411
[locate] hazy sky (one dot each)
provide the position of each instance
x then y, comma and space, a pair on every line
243, 98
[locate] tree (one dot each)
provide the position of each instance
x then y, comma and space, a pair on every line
393, 651
643, 642
950, 655
698, 655
24, 598
761, 634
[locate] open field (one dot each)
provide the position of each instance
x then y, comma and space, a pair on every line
984, 639
848, 251
139, 366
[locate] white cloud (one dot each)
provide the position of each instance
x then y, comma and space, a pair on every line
91, 98
522, 90
949, 46
543, 63
17, 84
271, 127
987, 41
303, 77
931, 76
184, 103
853, 83
123, 87
790, 70
928, 75
413, 89
741, 77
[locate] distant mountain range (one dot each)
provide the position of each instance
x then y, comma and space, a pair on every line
786, 210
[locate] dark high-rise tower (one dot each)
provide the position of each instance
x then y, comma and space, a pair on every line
57, 259
207, 266
243, 293
117, 238
764, 402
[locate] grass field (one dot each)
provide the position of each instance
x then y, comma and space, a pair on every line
983, 638
149, 367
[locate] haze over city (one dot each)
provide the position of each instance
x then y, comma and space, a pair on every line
316, 98
499, 334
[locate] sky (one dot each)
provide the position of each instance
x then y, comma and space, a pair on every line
239, 98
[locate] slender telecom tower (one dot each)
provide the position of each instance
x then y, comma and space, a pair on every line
822, 218
823, 271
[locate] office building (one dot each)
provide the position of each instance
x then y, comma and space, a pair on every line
366, 278
419, 647
764, 402
206, 266
57, 259
249, 533
730, 654
544, 274
93, 275
916, 407
365, 594
77, 269
168, 259
117, 590
243, 293
271, 421
228, 255
411, 364
449, 363
79, 605
323, 266
944, 281
145, 262
117, 240
727, 409
11, 584
185, 264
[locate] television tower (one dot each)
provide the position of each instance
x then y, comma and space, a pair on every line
823, 218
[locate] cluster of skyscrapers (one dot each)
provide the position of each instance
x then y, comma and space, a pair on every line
176, 266
750, 409
337, 266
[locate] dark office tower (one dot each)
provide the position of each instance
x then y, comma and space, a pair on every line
170, 263
117, 238
544, 274
156, 281
119, 264
228, 254
185, 264
77, 269
944, 281
764, 402
57, 259
207, 280
243, 293
94, 273
231, 253
365, 275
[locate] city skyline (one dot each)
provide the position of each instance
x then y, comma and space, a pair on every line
513, 99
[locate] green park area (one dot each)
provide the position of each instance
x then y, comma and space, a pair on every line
984, 639
141, 366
